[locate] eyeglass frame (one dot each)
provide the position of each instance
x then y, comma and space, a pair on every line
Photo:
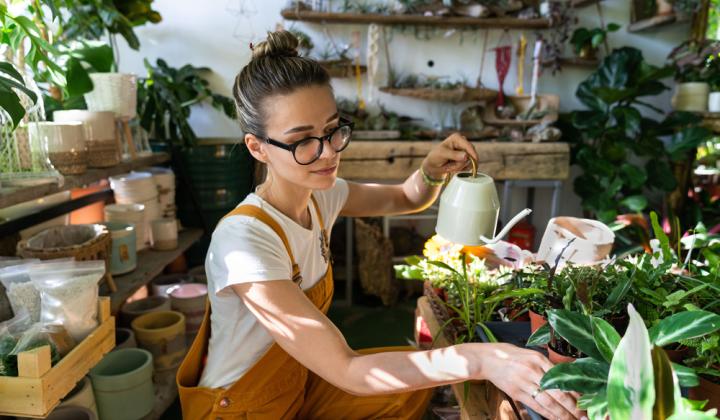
343, 122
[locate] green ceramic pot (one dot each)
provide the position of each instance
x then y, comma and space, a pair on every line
123, 385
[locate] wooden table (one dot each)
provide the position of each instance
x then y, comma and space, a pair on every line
380, 160
484, 400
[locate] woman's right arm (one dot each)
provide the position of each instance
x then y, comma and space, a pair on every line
313, 340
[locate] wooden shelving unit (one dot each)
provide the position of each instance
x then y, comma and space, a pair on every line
576, 62
651, 23
417, 20
13, 195
150, 264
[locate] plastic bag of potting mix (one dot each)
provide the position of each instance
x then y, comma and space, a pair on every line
69, 294
10, 332
39, 335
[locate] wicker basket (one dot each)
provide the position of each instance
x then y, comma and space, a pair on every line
82, 242
452, 329
375, 262
461, 94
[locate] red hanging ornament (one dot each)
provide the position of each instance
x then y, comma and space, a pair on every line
502, 67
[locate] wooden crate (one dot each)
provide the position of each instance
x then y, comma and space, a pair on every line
396, 160
38, 388
484, 400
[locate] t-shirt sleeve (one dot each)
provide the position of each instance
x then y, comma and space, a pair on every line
332, 201
244, 250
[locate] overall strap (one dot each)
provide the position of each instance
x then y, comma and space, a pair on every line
318, 212
260, 214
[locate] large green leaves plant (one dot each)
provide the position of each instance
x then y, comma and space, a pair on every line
623, 153
166, 96
629, 377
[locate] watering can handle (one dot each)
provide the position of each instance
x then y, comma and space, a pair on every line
507, 227
474, 165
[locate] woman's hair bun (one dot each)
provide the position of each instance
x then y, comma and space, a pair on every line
277, 44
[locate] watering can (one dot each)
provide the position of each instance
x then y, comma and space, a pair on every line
469, 209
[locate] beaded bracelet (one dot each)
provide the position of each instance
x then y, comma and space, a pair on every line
429, 181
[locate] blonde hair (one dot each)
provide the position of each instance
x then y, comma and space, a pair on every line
276, 68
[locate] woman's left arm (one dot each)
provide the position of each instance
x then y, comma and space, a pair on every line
413, 195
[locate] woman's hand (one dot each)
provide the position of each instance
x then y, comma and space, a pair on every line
517, 372
449, 156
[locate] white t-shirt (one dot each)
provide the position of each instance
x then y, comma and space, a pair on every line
244, 249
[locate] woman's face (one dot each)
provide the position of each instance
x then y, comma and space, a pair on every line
308, 111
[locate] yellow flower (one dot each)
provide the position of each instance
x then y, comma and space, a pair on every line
437, 247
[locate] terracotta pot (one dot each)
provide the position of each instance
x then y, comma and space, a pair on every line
557, 358
536, 321
707, 390
677, 355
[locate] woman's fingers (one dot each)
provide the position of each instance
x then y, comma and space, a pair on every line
459, 141
558, 410
567, 401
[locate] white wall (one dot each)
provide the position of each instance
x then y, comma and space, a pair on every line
217, 33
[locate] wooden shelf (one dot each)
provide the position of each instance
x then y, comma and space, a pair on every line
420, 20
150, 264
651, 23
456, 95
588, 63
13, 195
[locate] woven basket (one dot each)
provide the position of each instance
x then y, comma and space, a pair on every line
452, 329
82, 242
375, 266
461, 94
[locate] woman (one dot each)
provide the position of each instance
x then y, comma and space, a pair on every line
271, 351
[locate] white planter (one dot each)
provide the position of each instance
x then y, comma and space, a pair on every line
692, 97
714, 102
116, 92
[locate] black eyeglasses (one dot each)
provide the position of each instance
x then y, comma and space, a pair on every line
309, 149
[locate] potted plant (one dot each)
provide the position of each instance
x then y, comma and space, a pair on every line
630, 377
706, 363
693, 63
587, 41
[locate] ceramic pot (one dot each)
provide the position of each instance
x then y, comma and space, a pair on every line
116, 92
165, 284
536, 321
65, 145
72, 413
592, 241
190, 299
163, 335
164, 234
123, 385
132, 310
714, 102
103, 151
124, 339
81, 396
129, 213
691, 97
123, 257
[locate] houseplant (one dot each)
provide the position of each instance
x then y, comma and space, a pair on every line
693, 63
587, 41
630, 377
625, 155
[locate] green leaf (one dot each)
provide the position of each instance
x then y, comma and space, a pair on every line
686, 376
664, 384
583, 375
633, 175
606, 338
612, 27
513, 294
630, 390
10, 102
408, 272
597, 39
540, 337
78, 80
684, 326
661, 236
618, 293
636, 203
576, 329
444, 266
96, 54
660, 175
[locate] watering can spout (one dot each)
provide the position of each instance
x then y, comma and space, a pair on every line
507, 227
